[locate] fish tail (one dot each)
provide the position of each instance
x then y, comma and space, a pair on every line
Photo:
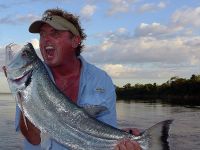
157, 136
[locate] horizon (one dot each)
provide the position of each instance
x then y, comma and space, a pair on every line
134, 41
4, 89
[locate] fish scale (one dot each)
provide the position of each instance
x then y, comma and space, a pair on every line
58, 118
51, 102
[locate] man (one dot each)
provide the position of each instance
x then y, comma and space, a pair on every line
61, 40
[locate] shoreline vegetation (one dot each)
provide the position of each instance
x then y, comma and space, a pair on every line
176, 91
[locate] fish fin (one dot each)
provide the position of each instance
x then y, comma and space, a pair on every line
5, 71
94, 110
45, 141
157, 135
19, 97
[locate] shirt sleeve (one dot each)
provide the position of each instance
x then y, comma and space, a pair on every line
99, 90
109, 101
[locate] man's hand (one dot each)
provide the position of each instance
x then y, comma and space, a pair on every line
128, 144
32, 134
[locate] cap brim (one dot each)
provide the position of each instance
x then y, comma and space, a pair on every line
35, 26
56, 22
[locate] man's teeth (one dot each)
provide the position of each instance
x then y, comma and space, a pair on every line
49, 47
49, 51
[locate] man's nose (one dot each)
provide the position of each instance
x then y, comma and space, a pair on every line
47, 38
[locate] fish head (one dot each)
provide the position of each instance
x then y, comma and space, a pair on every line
19, 66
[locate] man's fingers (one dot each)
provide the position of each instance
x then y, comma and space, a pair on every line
117, 148
122, 147
134, 145
128, 145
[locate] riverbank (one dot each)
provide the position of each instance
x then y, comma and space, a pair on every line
177, 90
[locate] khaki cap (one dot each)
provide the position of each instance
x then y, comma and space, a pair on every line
57, 22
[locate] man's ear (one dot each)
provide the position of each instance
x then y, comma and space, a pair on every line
76, 41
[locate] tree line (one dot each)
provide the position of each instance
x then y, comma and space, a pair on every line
176, 90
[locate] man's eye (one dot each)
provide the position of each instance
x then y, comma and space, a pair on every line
56, 33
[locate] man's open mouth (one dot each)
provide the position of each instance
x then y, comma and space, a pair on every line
50, 51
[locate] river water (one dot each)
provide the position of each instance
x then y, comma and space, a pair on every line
184, 133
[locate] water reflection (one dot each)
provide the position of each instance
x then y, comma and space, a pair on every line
9, 139
185, 130
184, 133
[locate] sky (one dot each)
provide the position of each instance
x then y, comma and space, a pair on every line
134, 41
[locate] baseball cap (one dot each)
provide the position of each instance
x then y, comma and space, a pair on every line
57, 22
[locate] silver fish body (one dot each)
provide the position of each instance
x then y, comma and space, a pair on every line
54, 113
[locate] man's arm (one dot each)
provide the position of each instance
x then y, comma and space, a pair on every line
32, 134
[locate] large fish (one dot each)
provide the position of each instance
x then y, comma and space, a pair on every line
55, 115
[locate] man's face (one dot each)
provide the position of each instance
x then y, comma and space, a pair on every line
56, 46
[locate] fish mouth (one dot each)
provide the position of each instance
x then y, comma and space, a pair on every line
24, 79
15, 74
25, 75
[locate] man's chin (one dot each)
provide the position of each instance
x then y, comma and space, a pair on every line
51, 63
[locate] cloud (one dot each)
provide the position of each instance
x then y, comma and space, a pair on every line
119, 70
7, 20
44, 1
3, 7
125, 6
187, 17
156, 29
151, 7
18, 19
152, 52
26, 18
144, 50
121, 30
9, 4
35, 43
120, 6
88, 11
183, 22
149, 74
